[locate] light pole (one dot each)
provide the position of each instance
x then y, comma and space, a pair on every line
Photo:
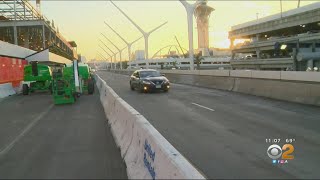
190, 9
113, 53
128, 44
103, 56
120, 51
145, 34
281, 7
108, 55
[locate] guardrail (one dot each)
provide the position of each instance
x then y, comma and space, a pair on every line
293, 86
147, 154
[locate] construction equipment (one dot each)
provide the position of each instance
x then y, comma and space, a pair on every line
74, 80
86, 78
37, 77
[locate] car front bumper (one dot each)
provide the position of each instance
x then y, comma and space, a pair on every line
153, 87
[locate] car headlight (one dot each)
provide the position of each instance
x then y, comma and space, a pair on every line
166, 82
146, 82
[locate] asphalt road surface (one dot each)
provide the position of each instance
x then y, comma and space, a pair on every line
41, 140
224, 133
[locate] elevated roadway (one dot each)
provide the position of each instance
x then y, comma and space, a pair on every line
224, 133
41, 141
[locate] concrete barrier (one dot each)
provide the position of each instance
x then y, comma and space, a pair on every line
147, 154
6, 90
225, 73
266, 74
300, 76
241, 73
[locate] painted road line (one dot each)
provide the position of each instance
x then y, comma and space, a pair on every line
25, 130
203, 107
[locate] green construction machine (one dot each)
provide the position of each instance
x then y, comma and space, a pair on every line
73, 80
37, 77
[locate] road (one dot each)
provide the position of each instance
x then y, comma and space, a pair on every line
224, 133
39, 140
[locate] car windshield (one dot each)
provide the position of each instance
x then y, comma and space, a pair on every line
144, 74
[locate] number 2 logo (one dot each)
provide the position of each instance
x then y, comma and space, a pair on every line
288, 150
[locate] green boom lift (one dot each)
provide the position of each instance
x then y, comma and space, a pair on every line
74, 80
37, 77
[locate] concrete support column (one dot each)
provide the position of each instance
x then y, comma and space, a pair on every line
15, 35
258, 37
233, 55
310, 64
43, 38
295, 65
258, 53
55, 39
50, 38
313, 46
311, 61
26, 38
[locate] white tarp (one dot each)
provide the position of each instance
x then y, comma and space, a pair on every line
7, 49
46, 56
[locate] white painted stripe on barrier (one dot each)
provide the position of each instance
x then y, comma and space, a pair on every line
6, 90
147, 154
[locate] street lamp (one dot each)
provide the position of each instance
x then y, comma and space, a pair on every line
113, 53
128, 44
190, 9
120, 51
145, 34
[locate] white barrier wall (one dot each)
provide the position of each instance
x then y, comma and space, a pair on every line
147, 154
276, 75
300, 87
6, 90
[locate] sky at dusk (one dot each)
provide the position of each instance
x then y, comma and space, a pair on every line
82, 21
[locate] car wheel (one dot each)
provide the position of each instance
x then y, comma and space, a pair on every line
166, 90
50, 88
90, 86
131, 87
25, 89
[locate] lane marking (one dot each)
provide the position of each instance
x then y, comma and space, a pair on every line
24, 132
203, 107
